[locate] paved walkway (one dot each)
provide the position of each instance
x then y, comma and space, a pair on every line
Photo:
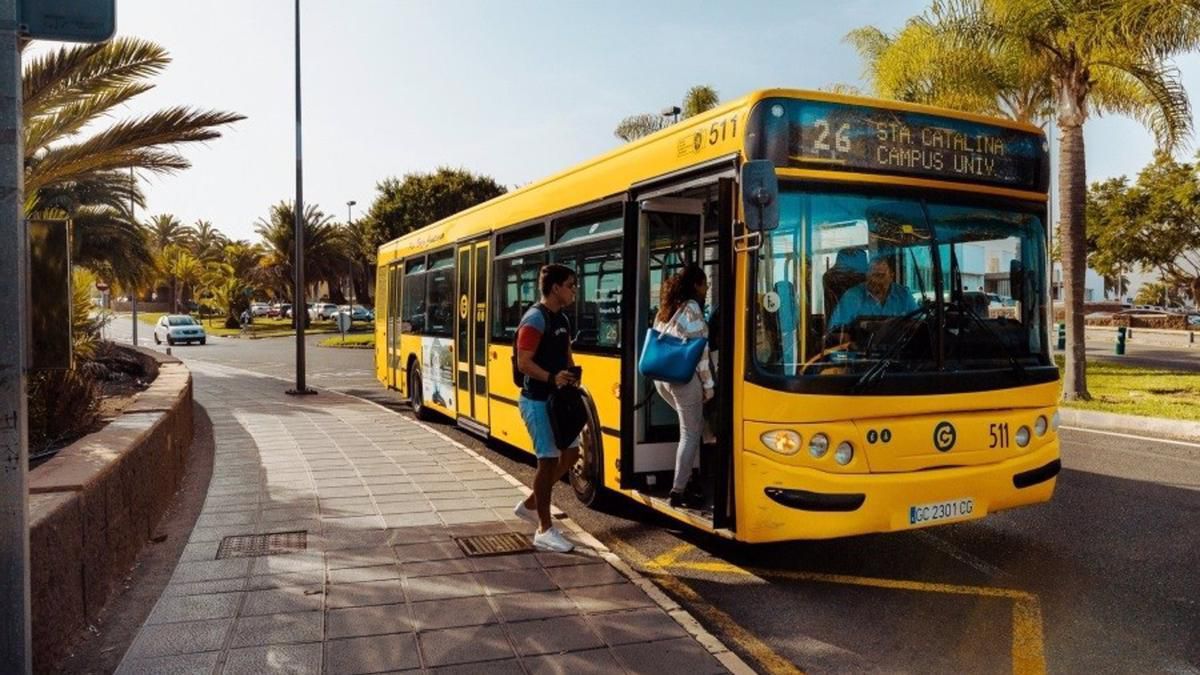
381, 585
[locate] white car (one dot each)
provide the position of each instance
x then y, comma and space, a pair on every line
322, 310
176, 328
259, 309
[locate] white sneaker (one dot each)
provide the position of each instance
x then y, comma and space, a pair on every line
551, 540
527, 514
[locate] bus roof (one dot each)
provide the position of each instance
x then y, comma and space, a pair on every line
652, 155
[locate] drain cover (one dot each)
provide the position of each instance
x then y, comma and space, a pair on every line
494, 544
250, 545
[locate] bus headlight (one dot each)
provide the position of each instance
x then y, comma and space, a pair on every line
818, 446
782, 441
1039, 427
1055, 420
1023, 436
844, 453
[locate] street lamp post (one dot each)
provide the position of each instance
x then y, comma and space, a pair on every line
672, 111
350, 259
299, 313
133, 294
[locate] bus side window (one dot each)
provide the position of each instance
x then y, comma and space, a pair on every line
596, 317
516, 289
413, 309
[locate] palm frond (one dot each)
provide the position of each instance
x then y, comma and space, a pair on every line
132, 143
67, 120
1151, 93
105, 241
110, 189
60, 77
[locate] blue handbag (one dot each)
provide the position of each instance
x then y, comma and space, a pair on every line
670, 359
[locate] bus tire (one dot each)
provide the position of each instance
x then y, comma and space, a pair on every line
414, 393
587, 476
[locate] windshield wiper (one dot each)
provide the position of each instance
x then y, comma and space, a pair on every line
958, 301
875, 372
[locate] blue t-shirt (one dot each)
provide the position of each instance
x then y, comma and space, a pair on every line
859, 302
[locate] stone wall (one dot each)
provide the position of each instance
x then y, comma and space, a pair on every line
97, 502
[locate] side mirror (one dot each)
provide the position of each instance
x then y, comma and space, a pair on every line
760, 195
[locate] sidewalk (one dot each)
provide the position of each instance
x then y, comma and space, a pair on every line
379, 582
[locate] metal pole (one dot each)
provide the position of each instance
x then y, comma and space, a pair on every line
298, 311
350, 259
16, 654
133, 296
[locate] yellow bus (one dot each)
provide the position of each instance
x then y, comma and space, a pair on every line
836, 413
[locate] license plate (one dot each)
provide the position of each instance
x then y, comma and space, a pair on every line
941, 511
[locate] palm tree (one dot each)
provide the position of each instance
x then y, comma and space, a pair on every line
207, 242
178, 268
1073, 57
359, 248
323, 250
167, 230
698, 99
70, 172
242, 258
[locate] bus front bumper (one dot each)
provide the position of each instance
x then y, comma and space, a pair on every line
783, 502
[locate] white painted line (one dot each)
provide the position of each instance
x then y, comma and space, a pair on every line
1185, 444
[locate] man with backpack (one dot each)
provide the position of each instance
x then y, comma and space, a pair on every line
543, 349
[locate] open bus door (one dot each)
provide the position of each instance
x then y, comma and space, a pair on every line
668, 227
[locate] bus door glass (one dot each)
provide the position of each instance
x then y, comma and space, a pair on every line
479, 346
395, 275
670, 232
470, 344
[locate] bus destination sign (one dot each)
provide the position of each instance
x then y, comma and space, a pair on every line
837, 136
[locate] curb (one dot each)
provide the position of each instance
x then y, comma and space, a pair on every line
1130, 424
726, 656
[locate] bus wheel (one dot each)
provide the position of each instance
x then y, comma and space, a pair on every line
414, 394
587, 476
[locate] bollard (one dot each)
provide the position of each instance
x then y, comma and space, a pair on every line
1062, 335
1120, 346
168, 351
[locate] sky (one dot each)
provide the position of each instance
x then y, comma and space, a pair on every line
516, 90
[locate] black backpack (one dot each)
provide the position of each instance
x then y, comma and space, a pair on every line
518, 376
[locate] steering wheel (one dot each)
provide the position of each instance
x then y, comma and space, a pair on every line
822, 354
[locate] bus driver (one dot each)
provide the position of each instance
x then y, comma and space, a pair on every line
878, 295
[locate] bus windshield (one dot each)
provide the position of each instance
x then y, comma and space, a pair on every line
853, 290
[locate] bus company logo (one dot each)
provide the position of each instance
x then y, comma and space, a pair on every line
944, 436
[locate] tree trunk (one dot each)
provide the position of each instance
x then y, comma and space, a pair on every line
1072, 192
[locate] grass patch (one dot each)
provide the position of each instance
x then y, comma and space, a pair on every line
264, 327
353, 341
1131, 390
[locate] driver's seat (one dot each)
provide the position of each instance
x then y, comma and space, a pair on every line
849, 269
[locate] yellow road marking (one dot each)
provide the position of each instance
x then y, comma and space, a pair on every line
1028, 642
1028, 648
670, 557
756, 648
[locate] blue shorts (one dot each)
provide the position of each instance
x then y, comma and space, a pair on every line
537, 422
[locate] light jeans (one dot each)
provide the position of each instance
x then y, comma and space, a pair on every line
688, 401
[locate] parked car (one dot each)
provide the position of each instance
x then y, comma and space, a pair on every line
259, 309
322, 310
358, 313
279, 311
175, 328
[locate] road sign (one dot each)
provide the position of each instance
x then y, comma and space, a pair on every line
343, 322
68, 20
